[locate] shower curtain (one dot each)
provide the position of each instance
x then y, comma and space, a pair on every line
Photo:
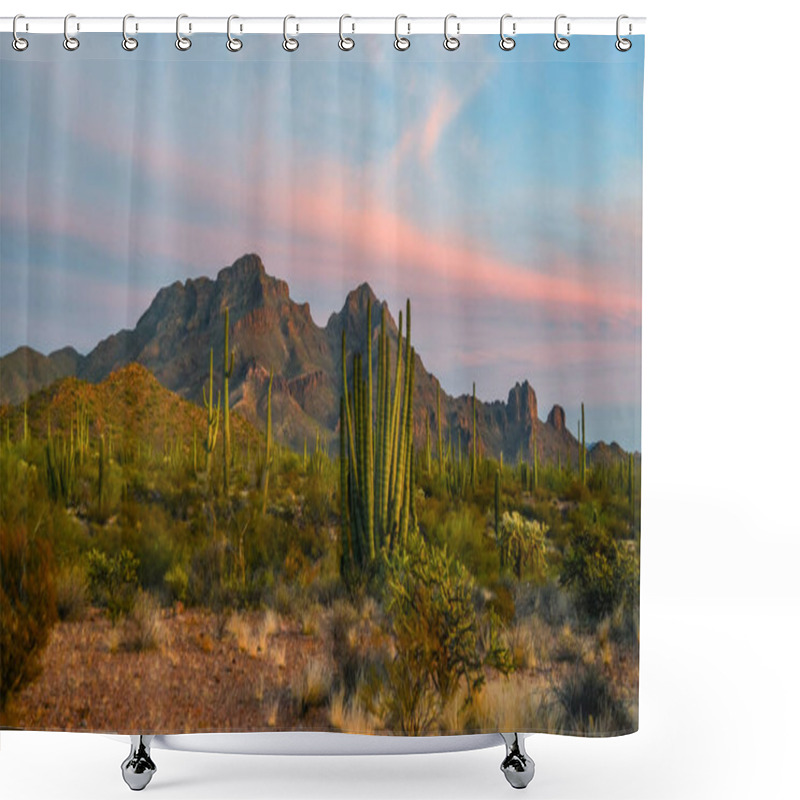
320, 385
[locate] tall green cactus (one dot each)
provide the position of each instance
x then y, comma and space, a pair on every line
497, 506
427, 444
59, 471
212, 416
474, 440
439, 427
376, 448
227, 372
268, 452
583, 448
101, 460
535, 458
630, 486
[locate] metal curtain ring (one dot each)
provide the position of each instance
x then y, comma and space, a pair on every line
345, 42
400, 42
181, 42
507, 42
561, 43
70, 42
623, 45
18, 43
451, 42
128, 42
233, 44
289, 44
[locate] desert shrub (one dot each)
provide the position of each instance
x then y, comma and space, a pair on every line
350, 716
177, 582
312, 687
519, 640
463, 531
72, 593
27, 605
436, 634
358, 645
501, 602
550, 602
143, 629
589, 703
112, 581
522, 544
601, 573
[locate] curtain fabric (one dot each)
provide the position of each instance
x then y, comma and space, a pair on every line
320, 385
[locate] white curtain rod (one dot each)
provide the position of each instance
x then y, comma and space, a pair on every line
460, 26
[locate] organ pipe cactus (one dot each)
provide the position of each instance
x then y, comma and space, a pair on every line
439, 425
583, 447
497, 506
376, 449
227, 372
101, 458
268, 451
474, 441
212, 415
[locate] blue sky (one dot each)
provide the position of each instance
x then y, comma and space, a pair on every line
501, 191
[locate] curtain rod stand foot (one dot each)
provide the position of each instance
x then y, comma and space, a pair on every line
517, 766
138, 768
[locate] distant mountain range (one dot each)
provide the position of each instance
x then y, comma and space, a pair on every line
269, 331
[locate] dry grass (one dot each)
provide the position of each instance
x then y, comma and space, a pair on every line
311, 687
143, 629
520, 643
310, 622
253, 636
72, 594
568, 645
502, 704
350, 716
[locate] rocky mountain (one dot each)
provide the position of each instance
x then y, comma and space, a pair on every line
271, 333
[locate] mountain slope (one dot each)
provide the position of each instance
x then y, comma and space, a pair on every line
272, 333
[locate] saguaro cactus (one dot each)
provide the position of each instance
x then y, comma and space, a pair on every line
227, 372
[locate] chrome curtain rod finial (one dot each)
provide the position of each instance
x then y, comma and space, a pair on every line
17, 42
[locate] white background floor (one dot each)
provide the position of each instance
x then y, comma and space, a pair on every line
720, 703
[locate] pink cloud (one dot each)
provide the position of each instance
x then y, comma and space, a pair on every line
314, 207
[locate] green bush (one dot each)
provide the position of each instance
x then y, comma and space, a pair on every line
112, 581
27, 605
601, 572
436, 633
